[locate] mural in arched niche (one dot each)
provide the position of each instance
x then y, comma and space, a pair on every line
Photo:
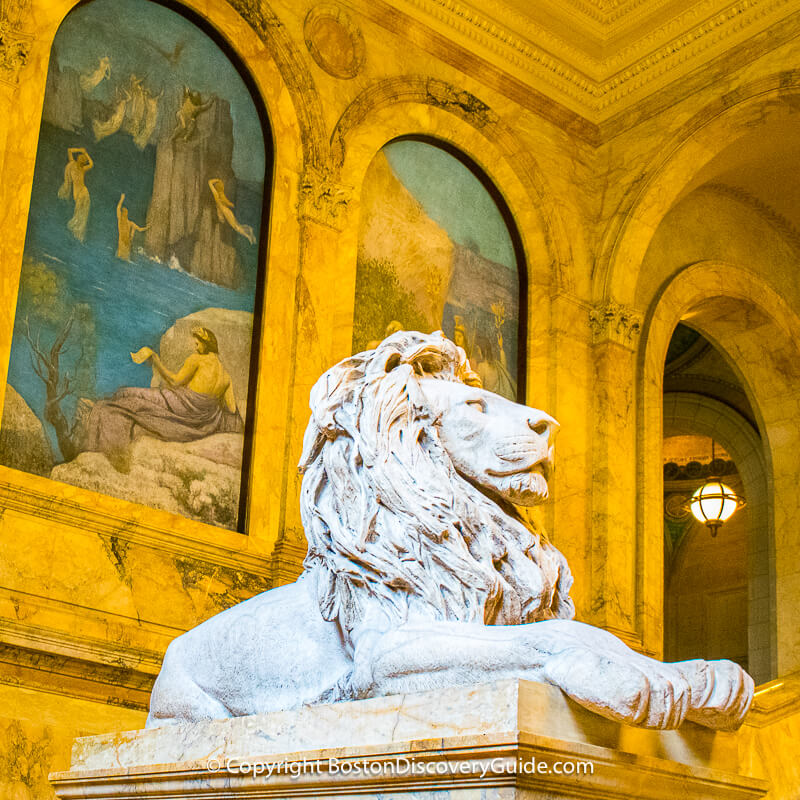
435, 252
131, 355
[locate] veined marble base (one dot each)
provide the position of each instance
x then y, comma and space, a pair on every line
509, 739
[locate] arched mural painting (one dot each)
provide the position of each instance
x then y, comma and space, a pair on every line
131, 355
435, 252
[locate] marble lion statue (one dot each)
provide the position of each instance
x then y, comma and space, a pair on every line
420, 572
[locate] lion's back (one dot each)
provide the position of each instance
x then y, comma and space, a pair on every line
269, 653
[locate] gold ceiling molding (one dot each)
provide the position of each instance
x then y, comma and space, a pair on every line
613, 11
599, 70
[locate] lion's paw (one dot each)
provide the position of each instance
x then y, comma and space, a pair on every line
636, 691
721, 692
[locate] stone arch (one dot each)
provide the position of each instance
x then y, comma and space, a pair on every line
296, 75
739, 314
686, 413
424, 106
694, 145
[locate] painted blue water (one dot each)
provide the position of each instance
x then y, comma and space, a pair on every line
132, 304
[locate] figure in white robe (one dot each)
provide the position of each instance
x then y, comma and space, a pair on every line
90, 80
114, 122
79, 163
148, 126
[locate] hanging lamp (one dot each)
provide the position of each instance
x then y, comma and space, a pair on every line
714, 502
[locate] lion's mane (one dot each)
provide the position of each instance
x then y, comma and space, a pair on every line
387, 516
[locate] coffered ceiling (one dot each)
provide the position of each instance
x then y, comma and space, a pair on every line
597, 57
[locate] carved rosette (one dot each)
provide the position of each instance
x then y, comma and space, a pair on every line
323, 199
334, 41
612, 322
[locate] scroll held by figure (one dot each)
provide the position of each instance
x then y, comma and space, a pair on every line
198, 400
420, 572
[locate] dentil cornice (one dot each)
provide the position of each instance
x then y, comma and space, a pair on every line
596, 56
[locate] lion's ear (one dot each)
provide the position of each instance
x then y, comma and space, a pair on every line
392, 362
428, 361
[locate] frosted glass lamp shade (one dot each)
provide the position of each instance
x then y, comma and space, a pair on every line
713, 503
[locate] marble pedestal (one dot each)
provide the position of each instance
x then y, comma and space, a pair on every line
509, 739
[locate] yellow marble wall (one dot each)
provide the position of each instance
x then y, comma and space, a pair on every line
94, 587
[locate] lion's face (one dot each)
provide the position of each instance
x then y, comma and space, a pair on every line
502, 447
407, 475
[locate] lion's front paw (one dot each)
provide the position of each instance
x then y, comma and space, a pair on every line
721, 693
637, 691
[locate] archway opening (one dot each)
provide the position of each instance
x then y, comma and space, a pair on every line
716, 598
749, 332
705, 577
712, 606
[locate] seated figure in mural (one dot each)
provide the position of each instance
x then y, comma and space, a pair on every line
421, 573
225, 210
79, 163
126, 229
197, 401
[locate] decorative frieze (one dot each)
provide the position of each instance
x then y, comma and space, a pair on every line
612, 322
602, 84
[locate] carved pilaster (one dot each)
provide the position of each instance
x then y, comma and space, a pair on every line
324, 199
15, 44
612, 322
286, 562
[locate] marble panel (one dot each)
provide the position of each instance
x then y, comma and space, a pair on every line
492, 708
510, 739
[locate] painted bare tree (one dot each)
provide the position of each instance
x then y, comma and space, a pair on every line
57, 387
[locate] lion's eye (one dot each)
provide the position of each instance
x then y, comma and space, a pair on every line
478, 405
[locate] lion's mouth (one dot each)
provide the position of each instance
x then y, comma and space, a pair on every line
543, 467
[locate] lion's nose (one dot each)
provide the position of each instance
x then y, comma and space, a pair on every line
543, 425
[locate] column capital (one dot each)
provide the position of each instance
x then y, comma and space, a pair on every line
612, 322
323, 199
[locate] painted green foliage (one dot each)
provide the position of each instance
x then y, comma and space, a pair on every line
435, 253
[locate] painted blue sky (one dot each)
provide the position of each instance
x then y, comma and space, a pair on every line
139, 36
453, 197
